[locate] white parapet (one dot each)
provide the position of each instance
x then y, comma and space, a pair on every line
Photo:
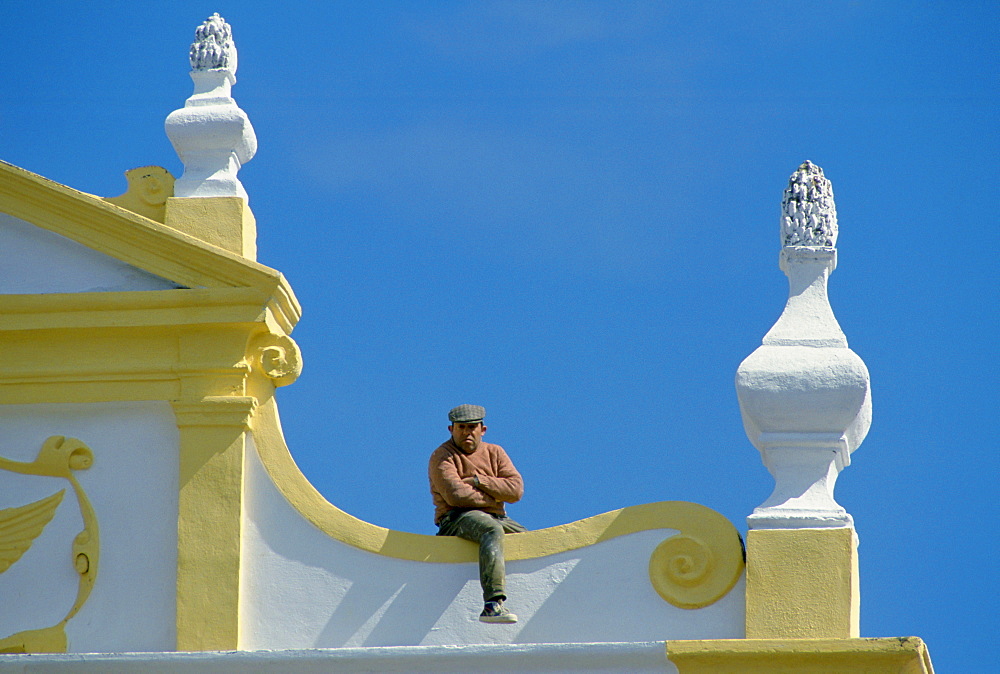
302, 587
211, 134
804, 395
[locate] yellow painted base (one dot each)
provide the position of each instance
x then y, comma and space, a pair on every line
903, 655
802, 584
226, 222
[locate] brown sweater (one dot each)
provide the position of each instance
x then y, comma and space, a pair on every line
499, 481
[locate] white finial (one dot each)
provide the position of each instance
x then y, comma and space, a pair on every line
211, 135
213, 45
808, 214
804, 395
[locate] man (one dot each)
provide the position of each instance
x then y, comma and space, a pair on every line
470, 482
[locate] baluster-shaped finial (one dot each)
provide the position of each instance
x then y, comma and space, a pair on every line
211, 134
804, 395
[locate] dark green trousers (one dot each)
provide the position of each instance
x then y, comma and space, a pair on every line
487, 530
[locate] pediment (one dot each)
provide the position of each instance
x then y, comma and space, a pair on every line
54, 239
125, 236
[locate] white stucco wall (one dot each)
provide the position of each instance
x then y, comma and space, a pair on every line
132, 486
303, 589
35, 260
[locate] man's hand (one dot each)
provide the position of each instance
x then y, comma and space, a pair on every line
474, 481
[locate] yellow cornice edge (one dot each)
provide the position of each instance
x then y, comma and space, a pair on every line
143, 345
709, 529
284, 305
131, 238
132, 308
148, 307
898, 655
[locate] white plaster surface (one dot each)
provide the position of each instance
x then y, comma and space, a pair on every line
636, 657
303, 589
132, 486
35, 260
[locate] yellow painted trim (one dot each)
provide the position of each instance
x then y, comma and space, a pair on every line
59, 457
903, 655
209, 521
155, 345
802, 584
715, 533
132, 308
125, 363
139, 241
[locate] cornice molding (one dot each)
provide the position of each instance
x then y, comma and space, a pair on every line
138, 308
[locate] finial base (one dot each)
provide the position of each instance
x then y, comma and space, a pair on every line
805, 467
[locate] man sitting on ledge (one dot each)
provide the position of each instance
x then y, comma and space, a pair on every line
470, 482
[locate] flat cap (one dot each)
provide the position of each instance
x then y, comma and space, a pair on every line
466, 414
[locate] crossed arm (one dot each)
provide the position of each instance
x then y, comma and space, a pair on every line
478, 490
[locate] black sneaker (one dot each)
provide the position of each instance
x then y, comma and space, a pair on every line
496, 612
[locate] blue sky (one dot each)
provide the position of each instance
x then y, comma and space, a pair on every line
568, 212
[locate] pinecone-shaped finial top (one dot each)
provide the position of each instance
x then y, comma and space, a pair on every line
213, 45
808, 214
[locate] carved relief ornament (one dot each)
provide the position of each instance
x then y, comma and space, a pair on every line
20, 526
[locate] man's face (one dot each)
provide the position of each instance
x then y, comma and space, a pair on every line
467, 436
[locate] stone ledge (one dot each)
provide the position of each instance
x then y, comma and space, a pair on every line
896, 655
648, 656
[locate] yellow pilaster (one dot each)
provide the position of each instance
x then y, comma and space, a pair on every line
212, 443
802, 584
226, 222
